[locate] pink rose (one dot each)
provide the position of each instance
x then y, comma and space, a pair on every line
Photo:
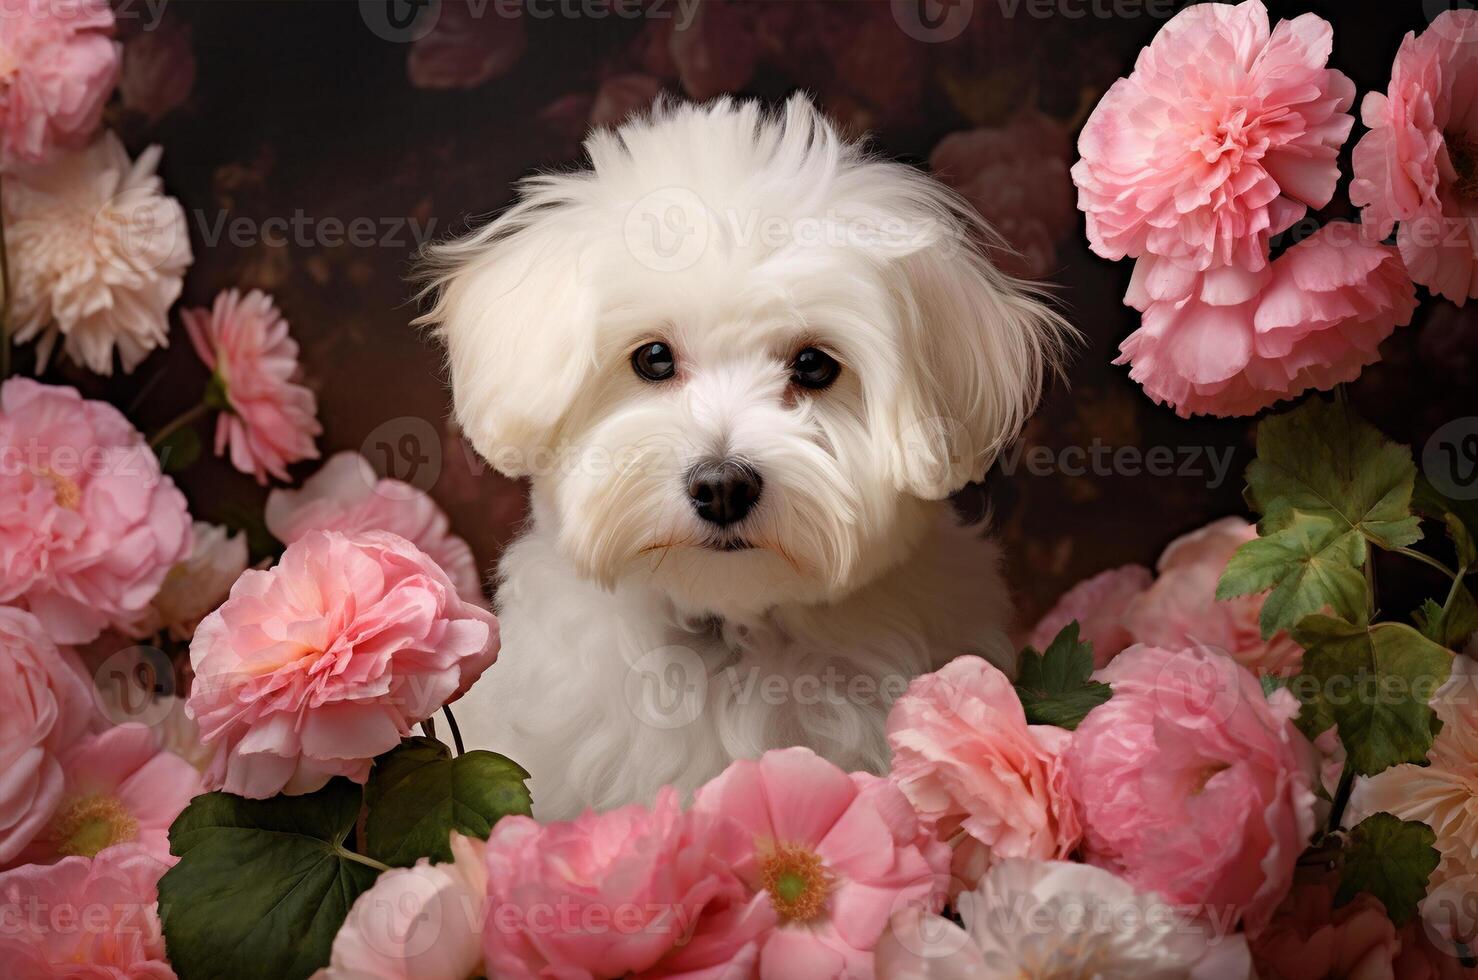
1418, 165
469, 46
828, 856
1310, 939
346, 495
967, 760
57, 66
1193, 784
611, 894
314, 667
1098, 604
45, 705
121, 788
89, 526
158, 70
82, 918
1181, 608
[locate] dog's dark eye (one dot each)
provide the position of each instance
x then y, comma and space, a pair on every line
814, 369
654, 361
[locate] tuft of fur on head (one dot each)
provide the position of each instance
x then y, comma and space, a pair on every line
738, 237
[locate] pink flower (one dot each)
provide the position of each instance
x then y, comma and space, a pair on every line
612, 894
1098, 604
1016, 176
419, 923
89, 526
1227, 342
829, 857
121, 788
45, 705
270, 420
967, 760
1194, 785
84, 919
346, 495
1181, 608
314, 667
1310, 939
466, 47
1224, 134
1418, 165
621, 97
57, 66
158, 70
716, 51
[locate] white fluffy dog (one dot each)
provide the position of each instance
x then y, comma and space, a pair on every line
744, 365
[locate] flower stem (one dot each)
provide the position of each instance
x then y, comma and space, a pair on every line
188, 417
5, 299
368, 862
456, 732
1341, 798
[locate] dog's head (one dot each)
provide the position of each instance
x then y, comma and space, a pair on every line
737, 354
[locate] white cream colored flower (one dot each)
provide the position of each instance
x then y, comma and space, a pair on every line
97, 252
194, 587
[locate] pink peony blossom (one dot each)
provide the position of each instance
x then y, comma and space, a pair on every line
57, 66
829, 857
1181, 608
617, 893
418, 923
270, 420
967, 760
1418, 165
1194, 785
45, 706
1224, 134
1310, 939
196, 585
158, 70
469, 45
89, 526
121, 788
1227, 342
1098, 604
82, 919
346, 495
314, 667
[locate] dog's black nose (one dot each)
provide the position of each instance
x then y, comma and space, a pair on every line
723, 491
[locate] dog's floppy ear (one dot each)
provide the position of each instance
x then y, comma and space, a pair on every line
976, 346
518, 322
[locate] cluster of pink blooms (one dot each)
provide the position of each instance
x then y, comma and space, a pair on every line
1224, 137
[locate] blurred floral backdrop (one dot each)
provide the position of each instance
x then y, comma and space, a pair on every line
316, 145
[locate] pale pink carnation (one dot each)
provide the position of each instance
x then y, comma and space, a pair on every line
1194, 785
617, 893
1098, 605
314, 667
1311, 939
1418, 165
89, 526
1181, 608
468, 46
1224, 134
970, 764
418, 923
58, 63
829, 857
1230, 342
45, 706
346, 495
270, 420
98, 254
85, 919
122, 788
158, 69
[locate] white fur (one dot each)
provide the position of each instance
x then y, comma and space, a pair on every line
612, 609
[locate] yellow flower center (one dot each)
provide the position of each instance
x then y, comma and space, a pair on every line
86, 825
1464, 156
797, 881
68, 493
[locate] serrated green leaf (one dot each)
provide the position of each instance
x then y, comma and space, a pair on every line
262, 886
418, 794
1428, 501
1462, 540
1055, 686
1390, 859
1374, 683
1311, 563
1322, 459
1450, 626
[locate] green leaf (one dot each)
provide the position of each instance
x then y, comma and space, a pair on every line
1310, 564
1054, 686
262, 886
1374, 683
179, 450
1450, 626
1462, 540
1431, 502
1323, 460
1390, 859
418, 794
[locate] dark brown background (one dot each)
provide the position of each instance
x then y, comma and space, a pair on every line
302, 108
